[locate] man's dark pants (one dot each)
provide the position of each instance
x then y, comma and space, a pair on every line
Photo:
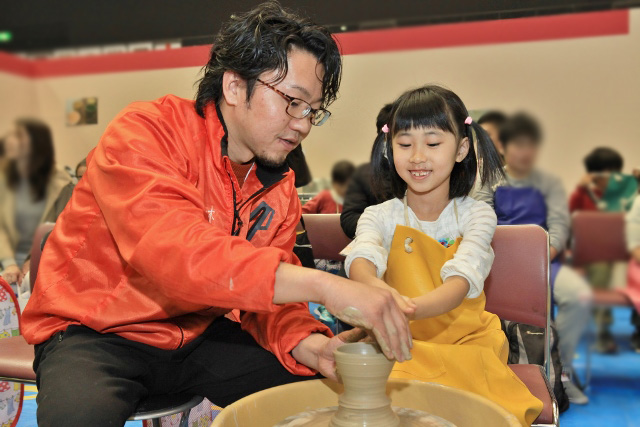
90, 379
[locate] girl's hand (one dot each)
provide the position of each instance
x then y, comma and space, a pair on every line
406, 304
12, 274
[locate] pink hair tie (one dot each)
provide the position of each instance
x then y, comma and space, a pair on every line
468, 120
385, 129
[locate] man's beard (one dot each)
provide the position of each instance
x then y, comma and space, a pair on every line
269, 163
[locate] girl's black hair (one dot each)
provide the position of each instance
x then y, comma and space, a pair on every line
433, 106
41, 160
259, 41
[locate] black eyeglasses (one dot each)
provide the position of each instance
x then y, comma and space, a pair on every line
299, 108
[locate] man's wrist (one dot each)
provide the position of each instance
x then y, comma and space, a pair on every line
308, 350
321, 283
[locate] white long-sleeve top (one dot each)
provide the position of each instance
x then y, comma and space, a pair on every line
476, 224
633, 225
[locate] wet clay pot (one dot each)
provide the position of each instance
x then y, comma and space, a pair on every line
364, 371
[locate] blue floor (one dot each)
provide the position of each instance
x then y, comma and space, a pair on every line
615, 385
614, 390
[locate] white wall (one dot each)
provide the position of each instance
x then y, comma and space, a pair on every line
17, 98
114, 91
585, 91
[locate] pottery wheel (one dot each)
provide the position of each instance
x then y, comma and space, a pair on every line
321, 418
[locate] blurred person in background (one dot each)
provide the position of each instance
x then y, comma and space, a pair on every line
604, 188
30, 189
633, 285
360, 194
331, 201
81, 168
528, 195
491, 121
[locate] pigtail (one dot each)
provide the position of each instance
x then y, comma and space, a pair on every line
382, 167
489, 161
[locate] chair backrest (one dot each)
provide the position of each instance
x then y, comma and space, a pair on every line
598, 237
517, 288
39, 238
325, 235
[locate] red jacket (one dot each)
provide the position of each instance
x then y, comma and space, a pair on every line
145, 249
581, 200
322, 203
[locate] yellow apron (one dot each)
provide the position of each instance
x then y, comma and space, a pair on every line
464, 348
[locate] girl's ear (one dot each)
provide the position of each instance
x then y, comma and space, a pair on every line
463, 150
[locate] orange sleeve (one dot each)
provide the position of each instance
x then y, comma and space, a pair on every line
282, 330
139, 176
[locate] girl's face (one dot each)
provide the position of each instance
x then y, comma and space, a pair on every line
424, 157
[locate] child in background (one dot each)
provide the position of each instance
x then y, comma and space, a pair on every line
603, 188
527, 195
414, 244
491, 121
330, 201
633, 285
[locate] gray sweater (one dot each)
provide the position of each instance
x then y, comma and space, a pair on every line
558, 219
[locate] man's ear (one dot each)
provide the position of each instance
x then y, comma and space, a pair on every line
463, 150
233, 88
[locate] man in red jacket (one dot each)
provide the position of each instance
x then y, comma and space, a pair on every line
187, 212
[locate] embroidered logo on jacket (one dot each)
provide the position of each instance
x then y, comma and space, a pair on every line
260, 219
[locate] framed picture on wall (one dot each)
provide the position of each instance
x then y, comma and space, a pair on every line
82, 111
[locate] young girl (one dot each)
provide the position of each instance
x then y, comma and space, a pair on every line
431, 243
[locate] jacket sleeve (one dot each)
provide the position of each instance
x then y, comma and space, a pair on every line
355, 202
139, 177
558, 219
280, 331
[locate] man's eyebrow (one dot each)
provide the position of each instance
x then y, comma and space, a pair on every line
304, 91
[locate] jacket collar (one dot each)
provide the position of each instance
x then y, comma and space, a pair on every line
266, 175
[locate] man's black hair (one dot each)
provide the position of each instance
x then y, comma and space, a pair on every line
260, 40
426, 107
342, 172
520, 125
494, 117
603, 159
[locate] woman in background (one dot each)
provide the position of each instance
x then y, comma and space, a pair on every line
30, 186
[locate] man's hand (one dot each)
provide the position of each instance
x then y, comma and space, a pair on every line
553, 252
407, 305
635, 254
358, 304
316, 351
12, 274
26, 267
374, 309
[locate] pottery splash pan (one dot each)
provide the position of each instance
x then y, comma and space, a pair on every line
362, 398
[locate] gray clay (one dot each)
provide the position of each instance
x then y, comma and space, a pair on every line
364, 371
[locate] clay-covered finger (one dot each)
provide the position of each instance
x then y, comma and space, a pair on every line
394, 334
383, 342
403, 334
